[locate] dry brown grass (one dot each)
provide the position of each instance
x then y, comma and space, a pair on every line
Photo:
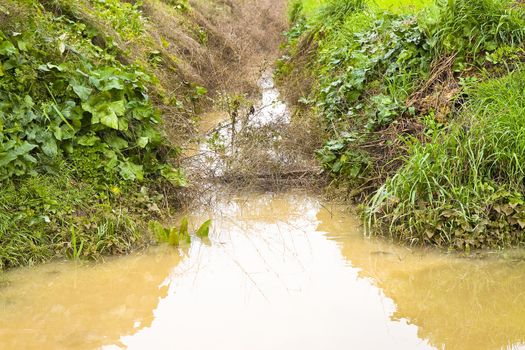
218, 44
273, 156
438, 92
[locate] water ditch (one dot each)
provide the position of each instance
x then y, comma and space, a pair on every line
280, 270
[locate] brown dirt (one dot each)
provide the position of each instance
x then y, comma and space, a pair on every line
219, 44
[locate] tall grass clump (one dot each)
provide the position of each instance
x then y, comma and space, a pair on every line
466, 187
336, 11
471, 27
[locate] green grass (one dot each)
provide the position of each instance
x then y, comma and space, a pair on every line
38, 215
400, 6
465, 188
311, 7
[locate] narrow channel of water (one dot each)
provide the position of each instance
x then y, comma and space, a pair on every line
280, 271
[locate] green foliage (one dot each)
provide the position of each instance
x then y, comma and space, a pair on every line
336, 11
174, 236
340, 159
50, 216
83, 155
461, 184
465, 188
76, 96
357, 76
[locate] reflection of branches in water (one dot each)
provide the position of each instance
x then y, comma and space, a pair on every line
236, 229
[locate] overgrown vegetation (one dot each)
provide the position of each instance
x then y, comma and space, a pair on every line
97, 99
79, 137
421, 104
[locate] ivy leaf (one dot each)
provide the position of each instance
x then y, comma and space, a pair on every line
82, 91
130, 171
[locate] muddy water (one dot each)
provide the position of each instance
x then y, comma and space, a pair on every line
279, 271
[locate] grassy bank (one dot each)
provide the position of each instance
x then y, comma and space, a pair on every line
421, 104
84, 156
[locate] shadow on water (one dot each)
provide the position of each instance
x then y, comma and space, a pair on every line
457, 303
82, 306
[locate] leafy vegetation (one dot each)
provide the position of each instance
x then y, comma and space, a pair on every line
420, 113
174, 236
82, 147
465, 187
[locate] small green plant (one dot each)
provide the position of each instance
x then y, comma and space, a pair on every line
77, 250
174, 236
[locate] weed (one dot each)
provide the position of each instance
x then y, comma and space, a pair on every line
174, 236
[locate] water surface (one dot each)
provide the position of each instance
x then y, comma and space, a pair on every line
280, 271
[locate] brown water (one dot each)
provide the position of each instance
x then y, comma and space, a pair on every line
278, 272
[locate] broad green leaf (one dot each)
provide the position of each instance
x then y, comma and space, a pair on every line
204, 230
22, 45
159, 231
82, 91
88, 140
7, 48
109, 119
113, 83
142, 142
175, 176
183, 230
116, 142
130, 171
173, 238
118, 107
11, 155
49, 147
